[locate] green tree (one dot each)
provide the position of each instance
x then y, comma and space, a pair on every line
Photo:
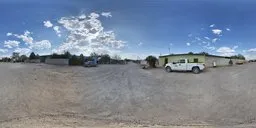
190, 53
94, 54
15, 56
32, 56
104, 59
74, 60
151, 61
81, 58
239, 56
23, 58
116, 57
67, 55
204, 53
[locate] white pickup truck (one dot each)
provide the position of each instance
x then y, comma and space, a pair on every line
184, 65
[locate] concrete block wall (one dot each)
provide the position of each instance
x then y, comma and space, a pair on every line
57, 61
219, 61
33, 61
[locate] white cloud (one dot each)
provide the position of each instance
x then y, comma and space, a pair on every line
94, 15
57, 30
210, 47
212, 25
41, 45
87, 35
140, 43
214, 40
250, 56
190, 35
226, 51
188, 44
228, 29
23, 51
8, 34
197, 38
252, 50
29, 41
3, 50
25, 37
235, 47
207, 38
106, 14
48, 24
217, 31
11, 43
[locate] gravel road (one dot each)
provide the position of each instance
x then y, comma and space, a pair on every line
125, 93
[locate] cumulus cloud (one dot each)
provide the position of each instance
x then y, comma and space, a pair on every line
11, 43
252, 50
217, 31
8, 34
48, 24
29, 41
26, 37
188, 44
3, 50
57, 30
226, 51
23, 51
86, 35
212, 25
41, 45
106, 14
140, 43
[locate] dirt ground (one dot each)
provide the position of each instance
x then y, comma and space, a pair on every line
39, 95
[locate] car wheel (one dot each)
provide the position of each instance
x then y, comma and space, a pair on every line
168, 69
196, 70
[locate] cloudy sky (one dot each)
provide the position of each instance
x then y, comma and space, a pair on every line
130, 28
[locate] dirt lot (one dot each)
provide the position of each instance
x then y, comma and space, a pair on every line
125, 94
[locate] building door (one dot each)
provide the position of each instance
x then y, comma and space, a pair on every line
195, 60
165, 61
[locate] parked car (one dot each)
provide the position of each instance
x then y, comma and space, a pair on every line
90, 64
184, 65
240, 62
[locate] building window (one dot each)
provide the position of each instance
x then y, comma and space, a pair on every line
195, 60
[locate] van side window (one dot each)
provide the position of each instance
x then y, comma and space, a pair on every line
182, 61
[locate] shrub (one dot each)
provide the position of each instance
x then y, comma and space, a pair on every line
151, 61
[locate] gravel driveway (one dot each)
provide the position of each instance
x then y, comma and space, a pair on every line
221, 96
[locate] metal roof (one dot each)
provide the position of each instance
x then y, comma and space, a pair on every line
198, 54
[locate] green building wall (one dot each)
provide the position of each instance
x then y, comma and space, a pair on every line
175, 58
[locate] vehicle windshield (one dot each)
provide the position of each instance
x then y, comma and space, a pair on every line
127, 63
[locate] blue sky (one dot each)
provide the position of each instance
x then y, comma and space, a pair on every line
130, 28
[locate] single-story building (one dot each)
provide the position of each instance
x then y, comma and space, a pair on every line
208, 60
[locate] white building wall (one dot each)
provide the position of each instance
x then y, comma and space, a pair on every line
219, 61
